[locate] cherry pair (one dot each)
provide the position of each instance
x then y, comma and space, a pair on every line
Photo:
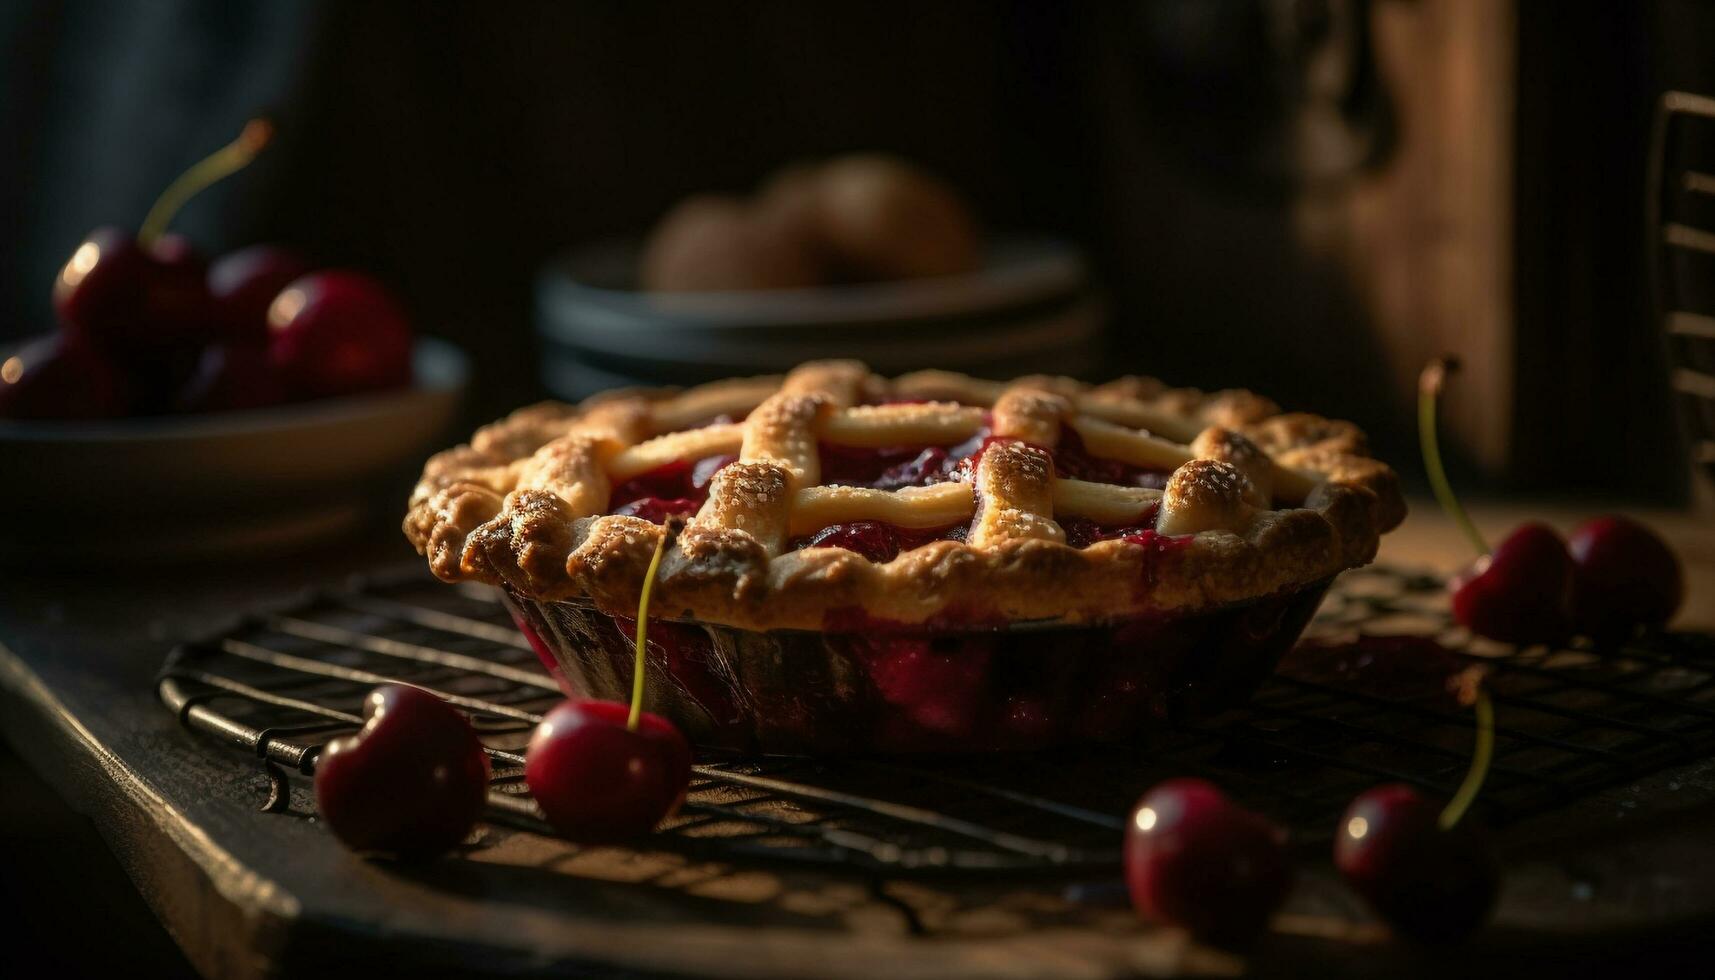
1196, 859
414, 779
1614, 576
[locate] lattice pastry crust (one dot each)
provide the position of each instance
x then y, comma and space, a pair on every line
1257, 501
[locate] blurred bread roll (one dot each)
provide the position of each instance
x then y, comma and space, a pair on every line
853, 219
792, 196
882, 218
710, 242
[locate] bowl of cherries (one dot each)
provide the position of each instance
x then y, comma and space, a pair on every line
184, 405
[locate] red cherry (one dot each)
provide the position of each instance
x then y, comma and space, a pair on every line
231, 377
176, 294
1195, 859
98, 284
598, 781
1522, 592
98, 291
1625, 577
147, 292
413, 781
178, 301
115, 293
242, 285
61, 377
1430, 884
339, 333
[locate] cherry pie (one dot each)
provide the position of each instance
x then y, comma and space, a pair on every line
836, 500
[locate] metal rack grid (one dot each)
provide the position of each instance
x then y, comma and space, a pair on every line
1570, 722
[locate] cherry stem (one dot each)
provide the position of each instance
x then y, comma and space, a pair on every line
1428, 391
1479, 770
227, 160
632, 720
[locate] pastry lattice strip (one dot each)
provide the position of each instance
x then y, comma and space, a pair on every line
1220, 479
1014, 493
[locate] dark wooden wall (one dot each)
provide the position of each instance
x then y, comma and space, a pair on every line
452, 148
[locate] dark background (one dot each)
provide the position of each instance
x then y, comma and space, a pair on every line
452, 148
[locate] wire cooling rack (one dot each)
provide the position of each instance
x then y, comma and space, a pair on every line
281, 683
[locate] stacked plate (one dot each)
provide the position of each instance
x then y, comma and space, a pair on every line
1030, 309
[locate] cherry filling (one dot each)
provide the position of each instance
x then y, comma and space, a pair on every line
875, 540
1082, 532
679, 489
1073, 460
891, 468
676, 489
883, 469
897, 467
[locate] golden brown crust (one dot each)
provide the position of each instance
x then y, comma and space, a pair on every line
522, 505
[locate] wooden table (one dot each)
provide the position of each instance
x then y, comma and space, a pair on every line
248, 893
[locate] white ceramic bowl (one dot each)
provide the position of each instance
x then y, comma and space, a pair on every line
174, 487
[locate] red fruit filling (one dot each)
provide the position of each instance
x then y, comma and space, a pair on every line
679, 489
1081, 533
1073, 460
689, 660
937, 686
896, 467
875, 540
676, 489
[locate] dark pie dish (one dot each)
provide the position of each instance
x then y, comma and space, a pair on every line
930, 563
1028, 686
